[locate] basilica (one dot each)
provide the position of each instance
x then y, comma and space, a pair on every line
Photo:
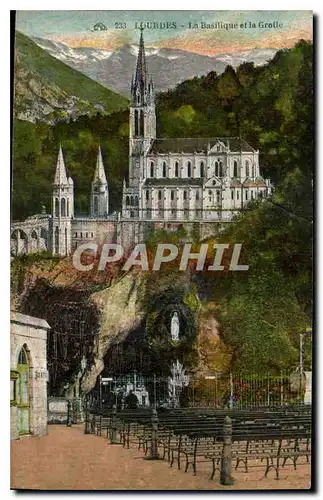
172, 182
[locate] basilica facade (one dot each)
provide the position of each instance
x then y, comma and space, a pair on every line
171, 182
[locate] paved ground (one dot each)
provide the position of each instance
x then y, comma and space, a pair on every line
66, 459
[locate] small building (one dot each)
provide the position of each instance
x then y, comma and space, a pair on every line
28, 375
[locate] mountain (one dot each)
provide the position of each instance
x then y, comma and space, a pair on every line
167, 66
48, 90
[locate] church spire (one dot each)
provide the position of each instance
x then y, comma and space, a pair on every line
99, 174
141, 69
60, 174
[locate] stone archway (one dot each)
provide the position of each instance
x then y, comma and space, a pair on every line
34, 241
19, 242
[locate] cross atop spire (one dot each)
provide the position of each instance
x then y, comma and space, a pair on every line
60, 174
99, 174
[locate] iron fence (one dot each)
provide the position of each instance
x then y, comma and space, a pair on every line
135, 390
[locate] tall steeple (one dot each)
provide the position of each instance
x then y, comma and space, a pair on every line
63, 208
60, 174
141, 68
142, 110
99, 174
99, 190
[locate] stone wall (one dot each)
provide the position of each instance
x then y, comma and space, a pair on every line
31, 333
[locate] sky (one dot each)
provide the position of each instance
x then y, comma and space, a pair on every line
241, 30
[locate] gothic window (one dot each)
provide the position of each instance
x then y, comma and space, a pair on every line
147, 195
56, 207
253, 171
151, 169
127, 200
235, 169
164, 169
232, 194
197, 196
221, 169
247, 169
246, 195
202, 168
81, 235
189, 169
218, 196
75, 235
142, 130
172, 195
176, 168
159, 195
96, 205
22, 359
86, 235
185, 195
136, 123
131, 201
68, 207
216, 168
136, 201
237, 195
214, 182
63, 207
91, 235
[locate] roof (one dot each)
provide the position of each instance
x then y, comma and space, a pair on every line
24, 319
176, 182
60, 174
197, 145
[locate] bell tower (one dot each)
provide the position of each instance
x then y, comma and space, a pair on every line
142, 109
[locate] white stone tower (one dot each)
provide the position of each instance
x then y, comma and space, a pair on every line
63, 209
99, 190
142, 115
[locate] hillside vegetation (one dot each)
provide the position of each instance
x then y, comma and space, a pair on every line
48, 90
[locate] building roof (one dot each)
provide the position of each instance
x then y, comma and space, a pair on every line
24, 319
176, 182
60, 174
197, 145
99, 174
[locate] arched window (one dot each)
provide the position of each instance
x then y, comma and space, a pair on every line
127, 200
56, 239
220, 169
232, 194
235, 169
159, 195
185, 195
172, 195
136, 123
247, 169
96, 205
202, 168
164, 169
197, 196
131, 201
189, 169
63, 207
237, 195
22, 358
136, 201
216, 169
68, 207
142, 129
218, 196
147, 195
246, 195
151, 169
253, 171
56, 207
176, 168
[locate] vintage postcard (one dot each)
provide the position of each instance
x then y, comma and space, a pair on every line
161, 250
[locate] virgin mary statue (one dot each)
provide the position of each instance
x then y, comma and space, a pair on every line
175, 327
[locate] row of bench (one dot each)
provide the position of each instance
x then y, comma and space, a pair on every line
251, 438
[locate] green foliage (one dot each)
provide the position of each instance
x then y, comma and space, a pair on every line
74, 83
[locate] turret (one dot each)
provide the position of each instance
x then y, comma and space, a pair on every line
99, 190
63, 208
